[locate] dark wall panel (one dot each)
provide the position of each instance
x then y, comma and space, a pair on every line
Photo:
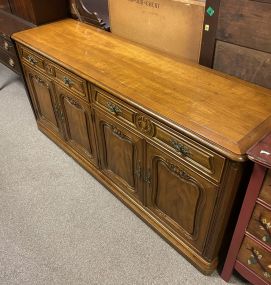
245, 23
245, 63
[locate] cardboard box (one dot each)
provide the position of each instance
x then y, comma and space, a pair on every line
171, 26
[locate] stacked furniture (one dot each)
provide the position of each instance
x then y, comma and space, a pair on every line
169, 139
18, 15
10, 24
250, 250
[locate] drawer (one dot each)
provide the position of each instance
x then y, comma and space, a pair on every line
112, 105
31, 58
265, 194
255, 258
8, 46
260, 224
193, 153
69, 80
10, 61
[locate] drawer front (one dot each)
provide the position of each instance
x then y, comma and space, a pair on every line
256, 258
65, 78
193, 153
113, 106
32, 58
260, 224
10, 61
202, 159
69, 80
8, 46
265, 194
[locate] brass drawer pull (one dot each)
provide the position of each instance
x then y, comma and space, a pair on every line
6, 46
11, 62
67, 81
180, 148
147, 177
32, 60
114, 109
265, 225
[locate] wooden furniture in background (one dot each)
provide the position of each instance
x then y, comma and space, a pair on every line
91, 11
18, 15
10, 24
4, 5
39, 11
250, 249
166, 137
237, 39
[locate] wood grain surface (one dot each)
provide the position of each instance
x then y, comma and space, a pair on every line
219, 109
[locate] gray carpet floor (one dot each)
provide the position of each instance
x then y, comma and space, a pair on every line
58, 225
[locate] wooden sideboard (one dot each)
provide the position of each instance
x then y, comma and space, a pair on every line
250, 249
166, 137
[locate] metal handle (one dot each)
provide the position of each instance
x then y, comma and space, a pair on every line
138, 170
180, 148
67, 81
32, 60
11, 62
147, 177
6, 45
114, 109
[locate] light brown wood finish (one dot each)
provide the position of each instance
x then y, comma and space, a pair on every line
226, 112
130, 116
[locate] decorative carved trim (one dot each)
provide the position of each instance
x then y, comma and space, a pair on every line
40, 81
73, 102
118, 133
145, 125
49, 68
177, 171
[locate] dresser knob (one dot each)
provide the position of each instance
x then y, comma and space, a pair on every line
11, 62
182, 149
32, 60
6, 45
114, 109
67, 81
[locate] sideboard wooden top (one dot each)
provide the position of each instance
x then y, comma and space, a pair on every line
224, 111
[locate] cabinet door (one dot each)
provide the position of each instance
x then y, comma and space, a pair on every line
178, 197
42, 93
77, 122
121, 154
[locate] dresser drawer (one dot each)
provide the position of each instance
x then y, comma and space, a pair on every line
112, 105
260, 224
265, 194
193, 153
31, 58
10, 61
256, 258
69, 80
7, 45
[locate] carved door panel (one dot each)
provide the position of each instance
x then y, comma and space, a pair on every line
121, 154
77, 122
42, 92
180, 198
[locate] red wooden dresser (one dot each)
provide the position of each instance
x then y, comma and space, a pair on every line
250, 249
